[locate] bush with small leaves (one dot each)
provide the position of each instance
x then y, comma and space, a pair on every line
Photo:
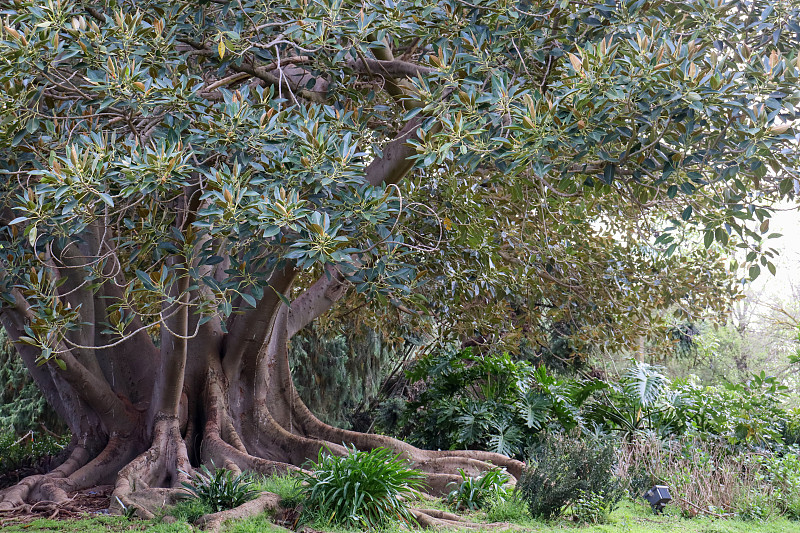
565, 467
755, 505
590, 508
221, 489
473, 492
361, 489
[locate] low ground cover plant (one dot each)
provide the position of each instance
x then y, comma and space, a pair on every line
221, 489
365, 489
474, 492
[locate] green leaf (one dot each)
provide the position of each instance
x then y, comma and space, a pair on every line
107, 199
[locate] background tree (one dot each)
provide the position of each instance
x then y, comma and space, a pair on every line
177, 170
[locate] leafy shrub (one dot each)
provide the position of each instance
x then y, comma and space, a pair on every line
488, 402
591, 508
743, 413
565, 467
473, 492
26, 452
221, 489
754, 505
361, 489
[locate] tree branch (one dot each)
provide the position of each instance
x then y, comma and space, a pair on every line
250, 330
316, 300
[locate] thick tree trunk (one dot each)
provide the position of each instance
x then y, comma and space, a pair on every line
143, 415
232, 404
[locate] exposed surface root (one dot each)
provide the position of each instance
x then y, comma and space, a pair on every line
431, 518
434, 462
267, 501
141, 483
27, 489
225, 455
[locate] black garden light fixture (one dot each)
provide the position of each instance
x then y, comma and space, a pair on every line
658, 497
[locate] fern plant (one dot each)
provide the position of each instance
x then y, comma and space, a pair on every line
361, 489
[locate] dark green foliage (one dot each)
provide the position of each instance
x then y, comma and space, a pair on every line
22, 406
474, 492
488, 402
25, 453
641, 401
336, 372
361, 489
564, 468
221, 489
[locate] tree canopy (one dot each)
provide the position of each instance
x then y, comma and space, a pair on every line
191, 183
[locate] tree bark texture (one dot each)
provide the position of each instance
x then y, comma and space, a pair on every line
142, 413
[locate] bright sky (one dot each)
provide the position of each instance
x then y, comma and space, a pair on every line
786, 222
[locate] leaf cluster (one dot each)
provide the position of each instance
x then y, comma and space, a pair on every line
475, 492
361, 489
221, 489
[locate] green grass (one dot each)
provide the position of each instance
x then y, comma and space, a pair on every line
102, 524
629, 518
286, 486
255, 524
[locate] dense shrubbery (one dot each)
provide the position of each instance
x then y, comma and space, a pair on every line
22, 406
20, 456
721, 447
564, 470
488, 402
495, 403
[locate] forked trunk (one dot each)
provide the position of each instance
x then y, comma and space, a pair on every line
226, 400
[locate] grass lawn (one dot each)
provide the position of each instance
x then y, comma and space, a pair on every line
629, 518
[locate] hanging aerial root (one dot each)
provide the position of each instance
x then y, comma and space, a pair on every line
153, 479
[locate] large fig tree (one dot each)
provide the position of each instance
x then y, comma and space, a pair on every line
175, 173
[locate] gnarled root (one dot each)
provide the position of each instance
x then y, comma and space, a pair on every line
267, 501
153, 479
79, 471
18, 495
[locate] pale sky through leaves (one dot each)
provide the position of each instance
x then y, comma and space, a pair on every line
778, 288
